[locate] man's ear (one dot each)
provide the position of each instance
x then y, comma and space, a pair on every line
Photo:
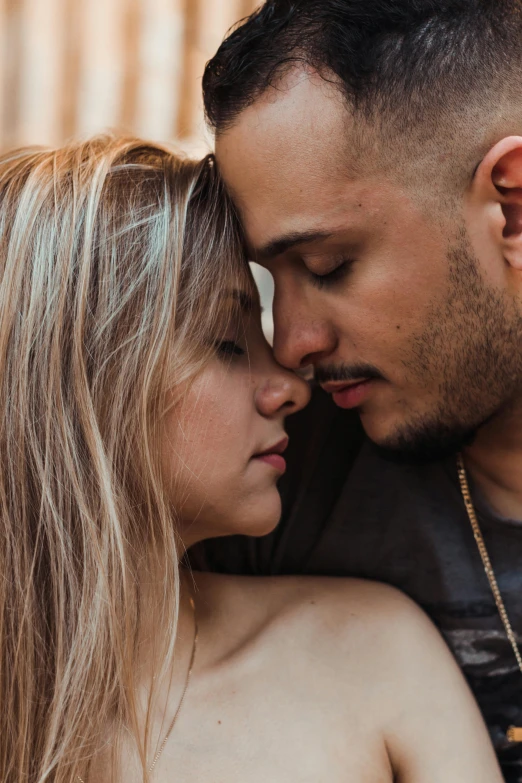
498, 185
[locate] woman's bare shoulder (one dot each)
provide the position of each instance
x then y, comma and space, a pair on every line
317, 610
367, 656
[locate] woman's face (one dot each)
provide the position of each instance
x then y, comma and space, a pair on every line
222, 445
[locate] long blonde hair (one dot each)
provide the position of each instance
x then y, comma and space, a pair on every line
116, 256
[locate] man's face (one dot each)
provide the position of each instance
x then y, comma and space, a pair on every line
392, 305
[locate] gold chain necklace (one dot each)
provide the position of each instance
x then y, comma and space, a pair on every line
514, 733
185, 688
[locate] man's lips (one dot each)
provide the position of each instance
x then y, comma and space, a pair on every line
349, 394
273, 456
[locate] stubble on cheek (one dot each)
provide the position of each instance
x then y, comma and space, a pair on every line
461, 362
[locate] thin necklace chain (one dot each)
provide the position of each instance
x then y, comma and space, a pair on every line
183, 694
185, 688
514, 733
466, 494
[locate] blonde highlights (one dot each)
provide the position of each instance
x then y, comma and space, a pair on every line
116, 260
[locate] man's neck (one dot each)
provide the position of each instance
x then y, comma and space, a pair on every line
494, 461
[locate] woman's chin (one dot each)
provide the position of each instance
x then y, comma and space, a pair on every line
260, 518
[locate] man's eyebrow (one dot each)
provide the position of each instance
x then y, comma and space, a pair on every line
277, 247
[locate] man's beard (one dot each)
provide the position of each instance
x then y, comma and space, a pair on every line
424, 442
470, 351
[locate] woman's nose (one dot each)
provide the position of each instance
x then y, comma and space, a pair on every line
282, 393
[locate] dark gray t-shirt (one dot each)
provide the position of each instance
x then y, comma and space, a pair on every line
349, 512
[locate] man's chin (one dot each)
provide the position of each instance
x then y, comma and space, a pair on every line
423, 443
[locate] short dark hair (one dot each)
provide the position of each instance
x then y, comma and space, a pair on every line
412, 61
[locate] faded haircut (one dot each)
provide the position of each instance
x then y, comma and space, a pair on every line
420, 73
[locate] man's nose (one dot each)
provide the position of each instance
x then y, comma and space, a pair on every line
301, 337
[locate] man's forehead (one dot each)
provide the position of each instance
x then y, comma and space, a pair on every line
302, 99
278, 212
272, 231
300, 126
309, 220
287, 160
291, 168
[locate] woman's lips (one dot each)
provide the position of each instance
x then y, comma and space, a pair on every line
273, 456
352, 395
276, 461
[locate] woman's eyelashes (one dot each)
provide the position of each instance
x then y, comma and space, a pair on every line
229, 348
333, 276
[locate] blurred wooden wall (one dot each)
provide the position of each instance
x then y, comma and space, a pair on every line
70, 67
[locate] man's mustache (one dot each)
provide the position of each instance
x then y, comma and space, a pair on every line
346, 372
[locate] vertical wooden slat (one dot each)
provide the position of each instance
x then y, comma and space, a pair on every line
101, 74
184, 122
134, 16
210, 20
215, 19
71, 64
41, 72
161, 56
12, 65
3, 48
249, 6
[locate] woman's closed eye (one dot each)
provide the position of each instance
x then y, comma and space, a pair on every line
228, 348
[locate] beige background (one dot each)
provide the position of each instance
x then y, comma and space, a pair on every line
74, 67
